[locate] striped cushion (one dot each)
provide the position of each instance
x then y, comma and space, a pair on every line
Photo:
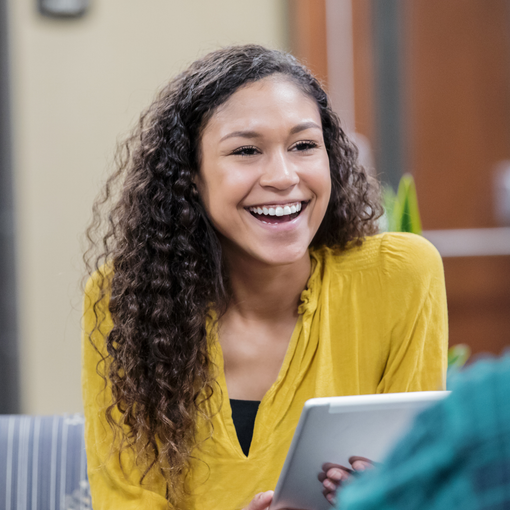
42, 463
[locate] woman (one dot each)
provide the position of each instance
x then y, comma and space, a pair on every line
238, 282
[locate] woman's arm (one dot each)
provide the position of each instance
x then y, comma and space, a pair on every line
417, 348
416, 297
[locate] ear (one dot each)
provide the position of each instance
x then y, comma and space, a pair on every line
194, 190
196, 185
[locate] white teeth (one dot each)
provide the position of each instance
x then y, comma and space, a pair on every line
277, 211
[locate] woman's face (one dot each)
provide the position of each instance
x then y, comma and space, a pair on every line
264, 174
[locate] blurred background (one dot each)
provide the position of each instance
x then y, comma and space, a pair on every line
422, 85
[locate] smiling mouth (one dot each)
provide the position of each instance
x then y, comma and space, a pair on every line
278, 214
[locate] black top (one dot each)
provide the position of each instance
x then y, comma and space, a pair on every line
244, 413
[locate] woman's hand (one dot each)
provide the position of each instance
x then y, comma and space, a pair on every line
261, 501
333, 476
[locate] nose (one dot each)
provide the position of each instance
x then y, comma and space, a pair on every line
279, 173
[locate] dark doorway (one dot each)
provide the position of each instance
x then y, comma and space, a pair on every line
9, 382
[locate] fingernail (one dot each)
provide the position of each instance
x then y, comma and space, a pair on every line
336, 474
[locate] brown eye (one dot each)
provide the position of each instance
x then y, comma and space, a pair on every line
304, 146
248, 150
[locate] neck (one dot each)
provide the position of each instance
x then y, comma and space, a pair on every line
267, 292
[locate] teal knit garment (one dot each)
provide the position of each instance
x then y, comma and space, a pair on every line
457, 456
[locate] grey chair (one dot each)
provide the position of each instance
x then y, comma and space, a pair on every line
42, 463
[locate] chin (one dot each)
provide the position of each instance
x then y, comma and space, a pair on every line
282, 256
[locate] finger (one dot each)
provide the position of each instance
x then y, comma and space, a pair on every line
329, 485
261, 501
338, 474
333, 471
326, 493
330, 496
361, 463
329, 465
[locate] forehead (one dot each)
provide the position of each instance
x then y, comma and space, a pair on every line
268, 103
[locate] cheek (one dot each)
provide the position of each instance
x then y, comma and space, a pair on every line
326, 180
321, 182
231, 188
221, 195
327, 177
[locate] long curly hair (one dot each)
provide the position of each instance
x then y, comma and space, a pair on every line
165, 262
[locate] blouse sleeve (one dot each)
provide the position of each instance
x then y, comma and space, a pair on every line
112, 488
416, 298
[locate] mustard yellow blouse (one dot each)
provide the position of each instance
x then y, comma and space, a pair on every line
372, 320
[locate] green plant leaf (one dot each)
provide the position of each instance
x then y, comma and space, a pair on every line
388, 199
401, 209
458, 355
406, 212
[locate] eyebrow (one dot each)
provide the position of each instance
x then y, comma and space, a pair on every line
303, 126
254, 134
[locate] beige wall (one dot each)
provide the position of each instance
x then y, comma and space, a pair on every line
78, 85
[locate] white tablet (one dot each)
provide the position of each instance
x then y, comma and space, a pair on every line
336, 428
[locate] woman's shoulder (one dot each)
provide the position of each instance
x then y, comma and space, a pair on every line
392, 253
405, 250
